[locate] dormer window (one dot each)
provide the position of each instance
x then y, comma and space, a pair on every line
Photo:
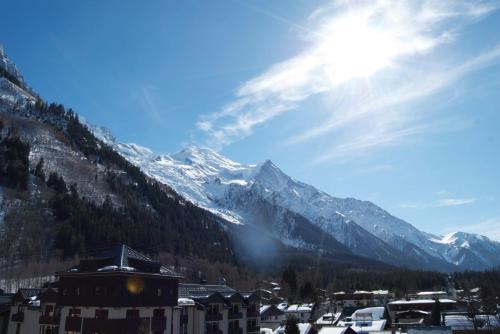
213, 309
235, 308
101, 314
74, 312
49, 310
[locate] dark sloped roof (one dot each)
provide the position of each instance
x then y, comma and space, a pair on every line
28, 293
6, 299
122, 258
199, 291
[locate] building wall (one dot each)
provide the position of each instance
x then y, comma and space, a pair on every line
29, 325
121, 313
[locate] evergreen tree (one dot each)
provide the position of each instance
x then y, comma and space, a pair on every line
291, 326
290, 277
436, 313
39, 170
306, 291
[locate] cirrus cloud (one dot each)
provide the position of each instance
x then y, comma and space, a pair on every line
358, 42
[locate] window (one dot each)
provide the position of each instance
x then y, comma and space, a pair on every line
101, 314
234, 324
76, 291
98, 291
74, 312
158, 312
65, 291
49, 310
235, 308
212, 327
159, 292
132, 313
213, 309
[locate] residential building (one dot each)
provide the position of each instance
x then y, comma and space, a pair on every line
301, 312
5, 302
328, 319
466, 324
122, 291
218, 309
366, 320
271, 316
430, 295
416, 312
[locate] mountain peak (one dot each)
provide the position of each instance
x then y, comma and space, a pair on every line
8, 66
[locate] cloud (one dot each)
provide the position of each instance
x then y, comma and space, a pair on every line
356, 43
488, 227
440, 203
149, 102
454, 202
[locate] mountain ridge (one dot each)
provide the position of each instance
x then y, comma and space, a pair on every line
213, 181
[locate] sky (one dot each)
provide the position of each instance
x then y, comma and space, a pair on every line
396, 102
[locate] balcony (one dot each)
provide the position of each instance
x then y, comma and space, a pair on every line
159, 324
252, 328
73, 324
49, 320
18, 317
234, 315
235, 330
213, 331
213, 317
253, 314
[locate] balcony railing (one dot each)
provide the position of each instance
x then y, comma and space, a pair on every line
235, 330
73, 324
213, 331
49, 320
234, 315
253, 314
18, 317
252, 328
158, 324
213, 317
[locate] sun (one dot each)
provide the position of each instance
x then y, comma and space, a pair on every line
352, 47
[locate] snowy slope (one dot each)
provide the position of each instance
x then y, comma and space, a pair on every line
232, 191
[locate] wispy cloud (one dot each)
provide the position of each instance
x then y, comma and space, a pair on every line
357, 43
148, 101
440, 203
488, 227
454, 202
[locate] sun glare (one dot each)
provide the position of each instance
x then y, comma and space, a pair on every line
351, 47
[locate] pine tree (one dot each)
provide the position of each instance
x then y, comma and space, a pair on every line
39, 170
291, 326
436, 313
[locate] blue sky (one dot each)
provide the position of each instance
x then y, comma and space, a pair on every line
393, 102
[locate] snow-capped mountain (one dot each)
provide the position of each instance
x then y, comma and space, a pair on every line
263, 195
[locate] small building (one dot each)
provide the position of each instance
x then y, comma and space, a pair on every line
303, 329
430, 330
407, 314
5, 302
337, 330
465, 324
430, 295
301, 312
271, 316
218, 309
353, 299
328, 320
366, 320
